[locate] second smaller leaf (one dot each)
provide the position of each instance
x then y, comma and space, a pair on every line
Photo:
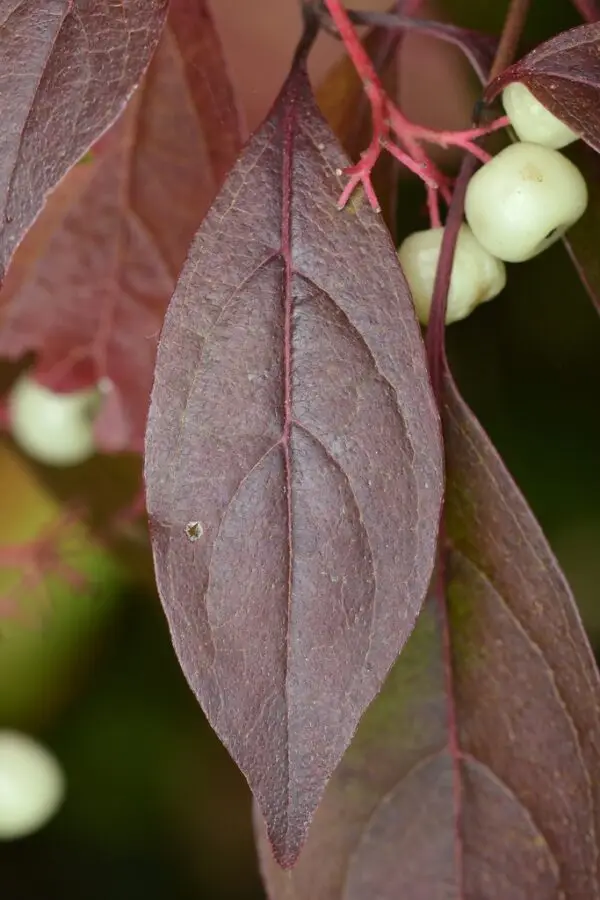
564, 75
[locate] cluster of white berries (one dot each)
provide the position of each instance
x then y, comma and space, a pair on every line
516, 205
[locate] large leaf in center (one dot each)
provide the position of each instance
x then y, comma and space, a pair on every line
293, 464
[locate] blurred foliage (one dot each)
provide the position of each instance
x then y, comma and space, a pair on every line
155, 808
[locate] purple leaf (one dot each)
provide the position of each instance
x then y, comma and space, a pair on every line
475, 780
88, 288
479, 48
293, 467
564, 75
68, 68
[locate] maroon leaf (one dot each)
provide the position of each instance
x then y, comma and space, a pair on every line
564, 75
293, 464
479, 48
68, 67
88, 289
515, 813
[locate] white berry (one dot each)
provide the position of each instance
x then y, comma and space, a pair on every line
477, 276
524, 200
55, 429
532, 121
32, 785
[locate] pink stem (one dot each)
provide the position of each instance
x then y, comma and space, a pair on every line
433, 208
457, 138
388, 119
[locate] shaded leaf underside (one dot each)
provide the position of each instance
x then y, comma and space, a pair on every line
525, 699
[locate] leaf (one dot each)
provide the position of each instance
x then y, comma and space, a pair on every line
477, 47
293, 463
68, 67
582, 239
511, 730
90, 285
564, 75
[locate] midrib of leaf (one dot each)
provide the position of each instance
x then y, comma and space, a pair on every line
289, 123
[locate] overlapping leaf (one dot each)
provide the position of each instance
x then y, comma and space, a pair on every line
293, 464
516, 812
68, 67
564, 75
478, 48
88, 289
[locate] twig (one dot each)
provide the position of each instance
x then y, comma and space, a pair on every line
511, 35
438, 367
389, 125
435, 339
589, 10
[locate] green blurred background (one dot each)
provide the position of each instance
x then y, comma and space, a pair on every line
155, 808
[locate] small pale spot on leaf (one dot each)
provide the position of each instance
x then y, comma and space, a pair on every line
194, 531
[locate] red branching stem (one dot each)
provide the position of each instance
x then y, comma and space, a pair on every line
396, 134
459, 138
462, 139
421, 169
356, 51
361, 173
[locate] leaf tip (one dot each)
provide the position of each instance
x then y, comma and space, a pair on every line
287, 847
